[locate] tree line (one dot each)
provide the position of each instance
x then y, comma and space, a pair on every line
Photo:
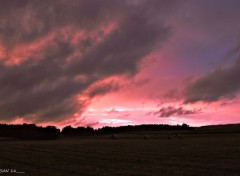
29, 131
33, 132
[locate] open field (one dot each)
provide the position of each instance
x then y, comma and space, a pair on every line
194, 155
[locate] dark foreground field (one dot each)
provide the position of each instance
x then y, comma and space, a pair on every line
195, 155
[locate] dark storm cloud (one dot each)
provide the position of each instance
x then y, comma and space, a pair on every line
44, 86
222, 83
102, 88
171, 110
27, 20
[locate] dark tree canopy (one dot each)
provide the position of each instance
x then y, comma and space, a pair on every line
29, 131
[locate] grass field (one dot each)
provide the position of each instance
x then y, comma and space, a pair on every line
194, 155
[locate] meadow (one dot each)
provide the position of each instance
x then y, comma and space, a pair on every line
130, 154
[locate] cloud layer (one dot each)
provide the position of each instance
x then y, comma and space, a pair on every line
171, 111
51, 53
219, 84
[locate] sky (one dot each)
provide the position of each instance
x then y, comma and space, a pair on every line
119, 62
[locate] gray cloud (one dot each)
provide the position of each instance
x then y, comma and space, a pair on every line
44, 85
171, 110
102, 88
222, 83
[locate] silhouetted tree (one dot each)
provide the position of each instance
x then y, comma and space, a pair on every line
79, 131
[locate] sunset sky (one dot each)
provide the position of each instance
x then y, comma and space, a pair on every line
119, 62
